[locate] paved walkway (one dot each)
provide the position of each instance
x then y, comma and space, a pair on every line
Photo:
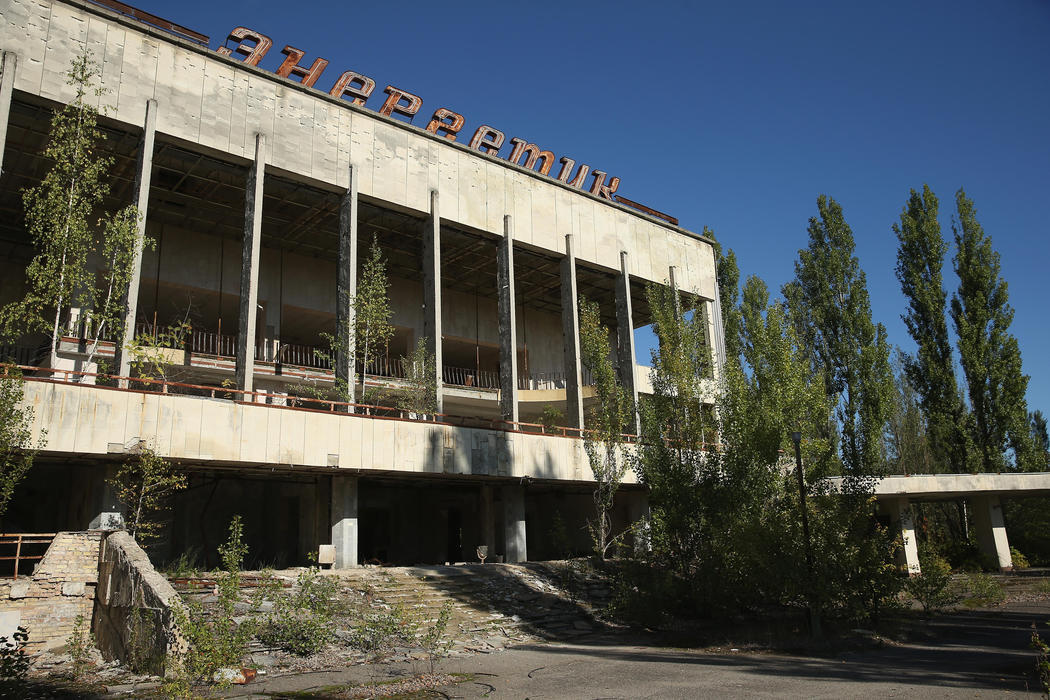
970, 654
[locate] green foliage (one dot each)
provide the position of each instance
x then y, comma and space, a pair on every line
988, 352
930, 588
1028, 520
728, 274
831, 312
434, 641
983, 590
372, 310
1020, 561
606, 420
144, 486
58, 215
908, 449
1042, 661
213, 639
377, 633
551, 419
920, 257
149, 352
14, 662
79, 643
16, 421
419, 397
302, 623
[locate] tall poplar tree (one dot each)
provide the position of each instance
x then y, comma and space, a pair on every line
831, 312
989, 354
920, 257
727, 273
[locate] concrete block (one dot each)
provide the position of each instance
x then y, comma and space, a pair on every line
73, 588
326, 554
19, 589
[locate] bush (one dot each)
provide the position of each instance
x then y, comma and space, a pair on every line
302, 623
1042, 661
930, 588
1020, 561
79, 644
983, 589
14, 663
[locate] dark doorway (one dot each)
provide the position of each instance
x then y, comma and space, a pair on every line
374, 536
455, 536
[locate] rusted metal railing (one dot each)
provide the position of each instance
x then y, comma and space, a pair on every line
20, 539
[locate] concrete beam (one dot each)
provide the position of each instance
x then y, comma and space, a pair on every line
899, 510
344, 521
143, 175
8, 66
570, 323
625, 335
508, 324
991, 531
515, 548
346, 288
432, 294
252, 243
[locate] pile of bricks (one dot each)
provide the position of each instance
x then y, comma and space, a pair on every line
62, 587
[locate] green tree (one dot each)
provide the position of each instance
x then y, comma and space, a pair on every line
372, 311
989, 354
830, 309
16, 421
907, 436
145, 486
419, 397
920, 257
1040, 440
58, 215
603, 439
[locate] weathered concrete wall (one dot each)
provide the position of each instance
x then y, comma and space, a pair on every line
133, 619
61, 588
89, 420
219, 103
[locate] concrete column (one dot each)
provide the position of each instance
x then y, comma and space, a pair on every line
253, 202
625, 333
432, 294
638, 514
344, 521
106, 511
570, 324
143, 173
515, 550
899, 510
991, 531
508, 325
488, 523
8, 65
346, 288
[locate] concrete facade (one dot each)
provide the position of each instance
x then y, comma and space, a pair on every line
263, 197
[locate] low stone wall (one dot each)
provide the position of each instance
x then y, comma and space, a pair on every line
133, 620
61, 588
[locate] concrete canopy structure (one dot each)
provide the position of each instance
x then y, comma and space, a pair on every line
263, 196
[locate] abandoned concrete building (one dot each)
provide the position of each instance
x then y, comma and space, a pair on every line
263, 194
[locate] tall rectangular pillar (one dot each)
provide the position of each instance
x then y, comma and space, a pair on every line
899, 510
488, 522
570, 323
143, 174
991, 531
514, 547
508, 324
253, 202
346, 289
8, 66
432, 294
344, 521
625, 335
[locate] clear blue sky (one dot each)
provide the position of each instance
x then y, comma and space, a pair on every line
736, 115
